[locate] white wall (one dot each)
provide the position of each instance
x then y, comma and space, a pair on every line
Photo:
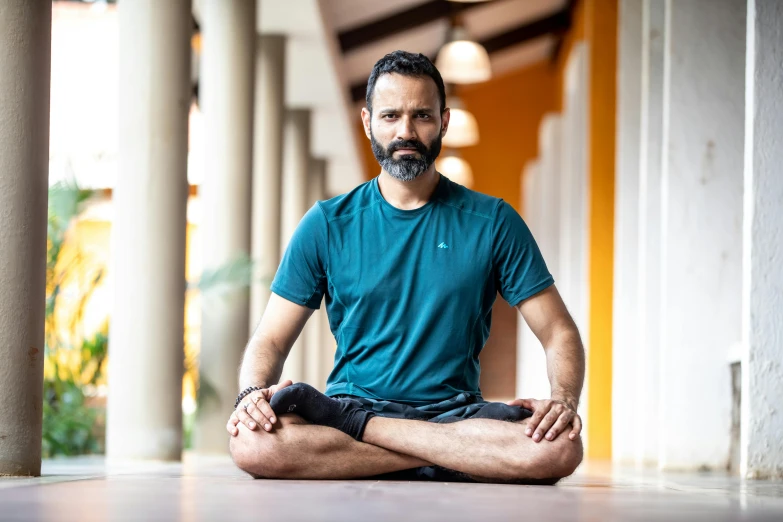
574, 195
762, 300
649, 234
532, 378
624, 351
701, 228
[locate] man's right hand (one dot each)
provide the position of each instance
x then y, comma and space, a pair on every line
254, 410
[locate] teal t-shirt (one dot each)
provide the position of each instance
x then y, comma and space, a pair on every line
409, 293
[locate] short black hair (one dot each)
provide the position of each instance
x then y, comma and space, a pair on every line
407, 64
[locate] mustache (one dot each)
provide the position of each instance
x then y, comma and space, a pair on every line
407, 144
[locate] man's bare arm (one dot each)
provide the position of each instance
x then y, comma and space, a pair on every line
268, 348
548, 318
262, 362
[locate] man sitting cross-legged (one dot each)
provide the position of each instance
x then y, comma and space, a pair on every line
408, 265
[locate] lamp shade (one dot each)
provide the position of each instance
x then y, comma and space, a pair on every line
463, 129
456, 169
463, 61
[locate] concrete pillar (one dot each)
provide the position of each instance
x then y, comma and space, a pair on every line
532, 378
329, 347
647, 374
549, 146
313, 332
25, 62
146, 353
267, 167
762, 299
701, 191
296, 168
574, 222
228, 35
625, 335
541, 211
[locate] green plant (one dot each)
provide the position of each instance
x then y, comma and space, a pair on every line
72, 360
215, 286
75, 363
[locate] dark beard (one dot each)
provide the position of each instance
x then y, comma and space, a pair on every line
407, 168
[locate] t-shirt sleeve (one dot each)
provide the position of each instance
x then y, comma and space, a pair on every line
519, 268
301, 276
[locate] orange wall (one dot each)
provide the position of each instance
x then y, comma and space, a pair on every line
509, 110
371, 167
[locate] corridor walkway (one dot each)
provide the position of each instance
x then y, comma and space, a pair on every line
212, 489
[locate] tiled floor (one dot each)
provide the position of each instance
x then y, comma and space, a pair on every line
211, 489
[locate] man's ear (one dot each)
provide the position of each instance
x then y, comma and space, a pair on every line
366, 121
444, 124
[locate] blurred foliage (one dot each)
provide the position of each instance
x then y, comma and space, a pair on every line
215, 286
236, 274
73, 362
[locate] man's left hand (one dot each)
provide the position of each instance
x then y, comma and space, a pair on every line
550, 417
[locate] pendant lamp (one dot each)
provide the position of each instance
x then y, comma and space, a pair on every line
463, 60
463, 128
456, 169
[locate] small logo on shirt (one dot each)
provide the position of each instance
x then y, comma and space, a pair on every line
443, 245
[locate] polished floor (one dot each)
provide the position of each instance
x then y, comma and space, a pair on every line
212, 489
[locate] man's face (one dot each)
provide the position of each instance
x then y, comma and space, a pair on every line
406, 126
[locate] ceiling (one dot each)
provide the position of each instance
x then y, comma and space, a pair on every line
515, 32
333, 44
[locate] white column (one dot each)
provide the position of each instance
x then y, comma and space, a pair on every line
144, 410
625, 335
267, 167
328, 342
329, 347
531, 361
296, 168
647, 324
574, 222
25, 62
228, 30
549, 154
762, 299
701, 213
313, 333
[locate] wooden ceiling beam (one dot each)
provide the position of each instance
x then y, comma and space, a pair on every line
416, 16
556, 24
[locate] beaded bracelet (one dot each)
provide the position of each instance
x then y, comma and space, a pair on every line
247, 391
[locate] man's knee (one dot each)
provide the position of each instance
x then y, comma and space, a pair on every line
261, 454
551, 461
570, 455
561, 457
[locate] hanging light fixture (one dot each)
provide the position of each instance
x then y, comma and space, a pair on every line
456, 169
463, 128
462, 60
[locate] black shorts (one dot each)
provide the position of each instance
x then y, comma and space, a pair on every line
461, 407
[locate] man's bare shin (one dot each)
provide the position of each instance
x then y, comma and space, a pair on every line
298, 450
478, 447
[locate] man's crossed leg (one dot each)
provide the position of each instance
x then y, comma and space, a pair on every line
487, 450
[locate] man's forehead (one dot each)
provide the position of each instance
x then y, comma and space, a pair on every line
396, 90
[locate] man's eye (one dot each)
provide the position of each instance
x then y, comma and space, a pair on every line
389, 116
424, 116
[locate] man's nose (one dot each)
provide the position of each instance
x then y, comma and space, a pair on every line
405, 129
